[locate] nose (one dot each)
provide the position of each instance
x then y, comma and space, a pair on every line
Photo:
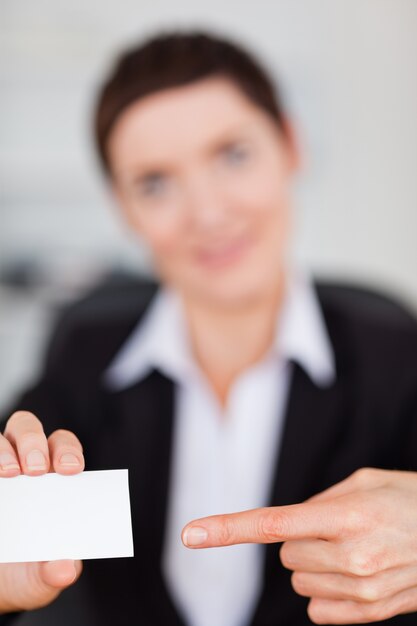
207, 206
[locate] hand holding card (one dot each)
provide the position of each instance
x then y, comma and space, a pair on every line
54, 511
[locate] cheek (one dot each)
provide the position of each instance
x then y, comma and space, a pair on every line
268, 203
264, 192
267, 207
164, 237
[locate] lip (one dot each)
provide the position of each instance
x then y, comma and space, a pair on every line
224, 255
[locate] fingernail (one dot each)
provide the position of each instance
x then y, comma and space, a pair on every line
35, 460
195, 536
69, 459
8, 462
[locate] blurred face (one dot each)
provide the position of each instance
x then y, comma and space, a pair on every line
203, 177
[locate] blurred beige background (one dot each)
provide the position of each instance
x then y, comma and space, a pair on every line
348, 70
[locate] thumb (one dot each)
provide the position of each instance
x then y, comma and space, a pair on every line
28, 586
59, 574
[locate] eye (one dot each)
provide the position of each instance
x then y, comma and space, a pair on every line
152, 185
235, 154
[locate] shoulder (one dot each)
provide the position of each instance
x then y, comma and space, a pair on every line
370, 330
365, 305
115, 298
97, 323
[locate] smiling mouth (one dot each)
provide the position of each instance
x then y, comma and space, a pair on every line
224, 255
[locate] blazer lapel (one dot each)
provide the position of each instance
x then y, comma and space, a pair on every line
137, 434
313, 428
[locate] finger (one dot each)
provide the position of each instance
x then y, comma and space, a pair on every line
267, 525
9, 464
349, 612
359, 589
60, 574
66, 452
25, 432
313, 555
353, 558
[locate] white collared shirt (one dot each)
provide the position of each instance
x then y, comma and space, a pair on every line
223, 460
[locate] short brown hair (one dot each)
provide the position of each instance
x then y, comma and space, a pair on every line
174, 59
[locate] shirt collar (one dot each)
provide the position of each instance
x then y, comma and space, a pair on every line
301, 333
160, 340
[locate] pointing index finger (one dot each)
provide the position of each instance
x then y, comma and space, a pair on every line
267, 525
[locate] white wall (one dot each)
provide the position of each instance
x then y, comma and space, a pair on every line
349, 71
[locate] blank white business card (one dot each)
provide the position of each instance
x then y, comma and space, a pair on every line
49, 517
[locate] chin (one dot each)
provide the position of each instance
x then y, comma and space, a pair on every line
236, 286
235, 293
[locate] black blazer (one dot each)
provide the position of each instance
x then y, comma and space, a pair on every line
367, 417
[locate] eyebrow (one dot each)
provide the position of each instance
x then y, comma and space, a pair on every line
143, 172
239, 134
147, 173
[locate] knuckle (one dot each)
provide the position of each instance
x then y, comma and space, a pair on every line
226, 531
363, 515
356, 518
367, 590
62, 432
17, 417
372, 612
66, 437
30, 438
363, 563
273, 525
366, 476
364, 473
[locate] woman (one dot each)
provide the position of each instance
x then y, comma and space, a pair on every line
238, 384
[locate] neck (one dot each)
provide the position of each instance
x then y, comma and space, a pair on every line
226, 341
